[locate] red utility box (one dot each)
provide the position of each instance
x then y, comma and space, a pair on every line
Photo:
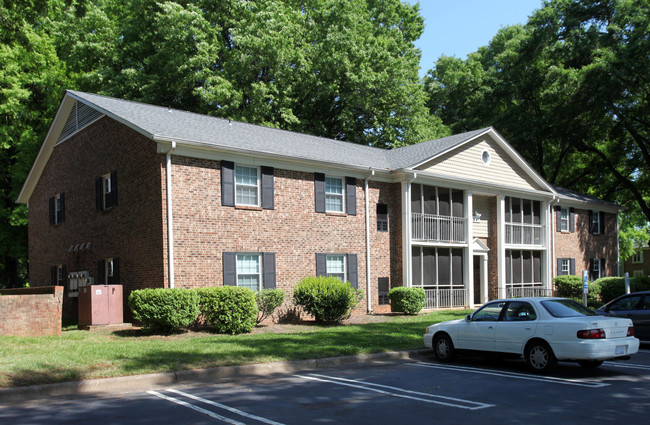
100, 305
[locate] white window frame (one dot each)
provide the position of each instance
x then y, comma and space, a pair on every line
107, 190
337, 273
334, 195
564, 219
637, 257
596, 272
595, 220
240, 257
60, 279
109, 270
565, 267
239, 184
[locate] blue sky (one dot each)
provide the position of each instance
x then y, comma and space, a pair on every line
459, 27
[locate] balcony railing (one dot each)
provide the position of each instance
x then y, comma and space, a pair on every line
445, 298
528, 291
438, 228
524, 234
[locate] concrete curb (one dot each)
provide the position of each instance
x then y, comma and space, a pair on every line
141, 383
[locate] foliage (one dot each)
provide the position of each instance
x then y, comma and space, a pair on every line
406, 300
326, 298
268, 300
164, 309
228, 309
613, 287
571, 287
633, 234
568, 90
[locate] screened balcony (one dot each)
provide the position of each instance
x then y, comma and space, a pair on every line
525, 234
438, 228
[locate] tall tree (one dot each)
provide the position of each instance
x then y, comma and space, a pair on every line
570, 90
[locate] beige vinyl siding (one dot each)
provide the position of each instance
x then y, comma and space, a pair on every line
466, 163
481, 204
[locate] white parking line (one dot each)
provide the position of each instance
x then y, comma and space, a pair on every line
548, 379
368, 386
196, 408
212, 403
628, 365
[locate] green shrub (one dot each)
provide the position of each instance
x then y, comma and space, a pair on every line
267, 301
613, 287
228, 309
164, 309
571, 287
326, 298
406, 300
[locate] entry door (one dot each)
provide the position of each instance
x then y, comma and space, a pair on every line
477, 279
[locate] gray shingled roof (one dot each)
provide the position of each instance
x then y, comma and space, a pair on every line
165, 123
577, 196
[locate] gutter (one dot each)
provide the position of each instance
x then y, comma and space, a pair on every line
170, 227
367, 202
551, 226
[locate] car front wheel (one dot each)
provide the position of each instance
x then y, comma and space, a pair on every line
443, 348
540, 357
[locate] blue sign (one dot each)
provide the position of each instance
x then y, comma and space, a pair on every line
585, 281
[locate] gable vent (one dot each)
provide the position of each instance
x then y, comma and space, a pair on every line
81, 116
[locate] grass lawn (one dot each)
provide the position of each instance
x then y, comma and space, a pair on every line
77, 355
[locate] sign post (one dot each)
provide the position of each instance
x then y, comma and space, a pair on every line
627, 283
585, 286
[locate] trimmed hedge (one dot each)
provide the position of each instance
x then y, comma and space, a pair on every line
406, 300
228, 309
268, 300
164, 309
326, 298
613, 287
571, 287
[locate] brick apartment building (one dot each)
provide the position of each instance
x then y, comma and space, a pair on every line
145, 196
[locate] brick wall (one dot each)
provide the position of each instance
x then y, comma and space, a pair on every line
583, 246
31, 311
131, 231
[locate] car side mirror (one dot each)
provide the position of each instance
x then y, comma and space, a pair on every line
468, 318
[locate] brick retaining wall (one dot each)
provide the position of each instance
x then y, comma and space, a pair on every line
31, 311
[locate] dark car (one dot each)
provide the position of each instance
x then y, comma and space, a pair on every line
635, 306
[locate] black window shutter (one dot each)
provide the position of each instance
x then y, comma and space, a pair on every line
269, 270
351, 195
319, 192
229, 269
601, 220
62, 212
115, 279
52, 210
558, 219
98, 194
602, 268
353, 273
572, 265
100, 272
572, 220
559, 267
227, 183
591, 269
53, 275
592, 229
321, 264
113, 188
267, 188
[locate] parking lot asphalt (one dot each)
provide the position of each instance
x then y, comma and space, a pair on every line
394, 388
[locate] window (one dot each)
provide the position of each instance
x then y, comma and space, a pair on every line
637, 273
597, 268
486, 158
637, 258
524, 268
334, 194
520, 311
596, 223
246, 186
382, 218
565, 266
57, 209
489, 312
340, 266
58, 275
106, 191
627, 303
108, 271
383, 287
440, 268
564, 219
254, 270
249, 271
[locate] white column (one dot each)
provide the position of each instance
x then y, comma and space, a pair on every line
469, 251
406, 232
501, 243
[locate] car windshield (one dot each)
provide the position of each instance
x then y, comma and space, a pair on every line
567, 308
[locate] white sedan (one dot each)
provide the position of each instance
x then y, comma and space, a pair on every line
541, 330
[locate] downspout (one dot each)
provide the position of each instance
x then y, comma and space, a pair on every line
367, 202
170, 227
552, 223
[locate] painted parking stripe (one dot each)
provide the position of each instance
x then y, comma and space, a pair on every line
394, 392
212, 403
515, 375
196, 408
628, 365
